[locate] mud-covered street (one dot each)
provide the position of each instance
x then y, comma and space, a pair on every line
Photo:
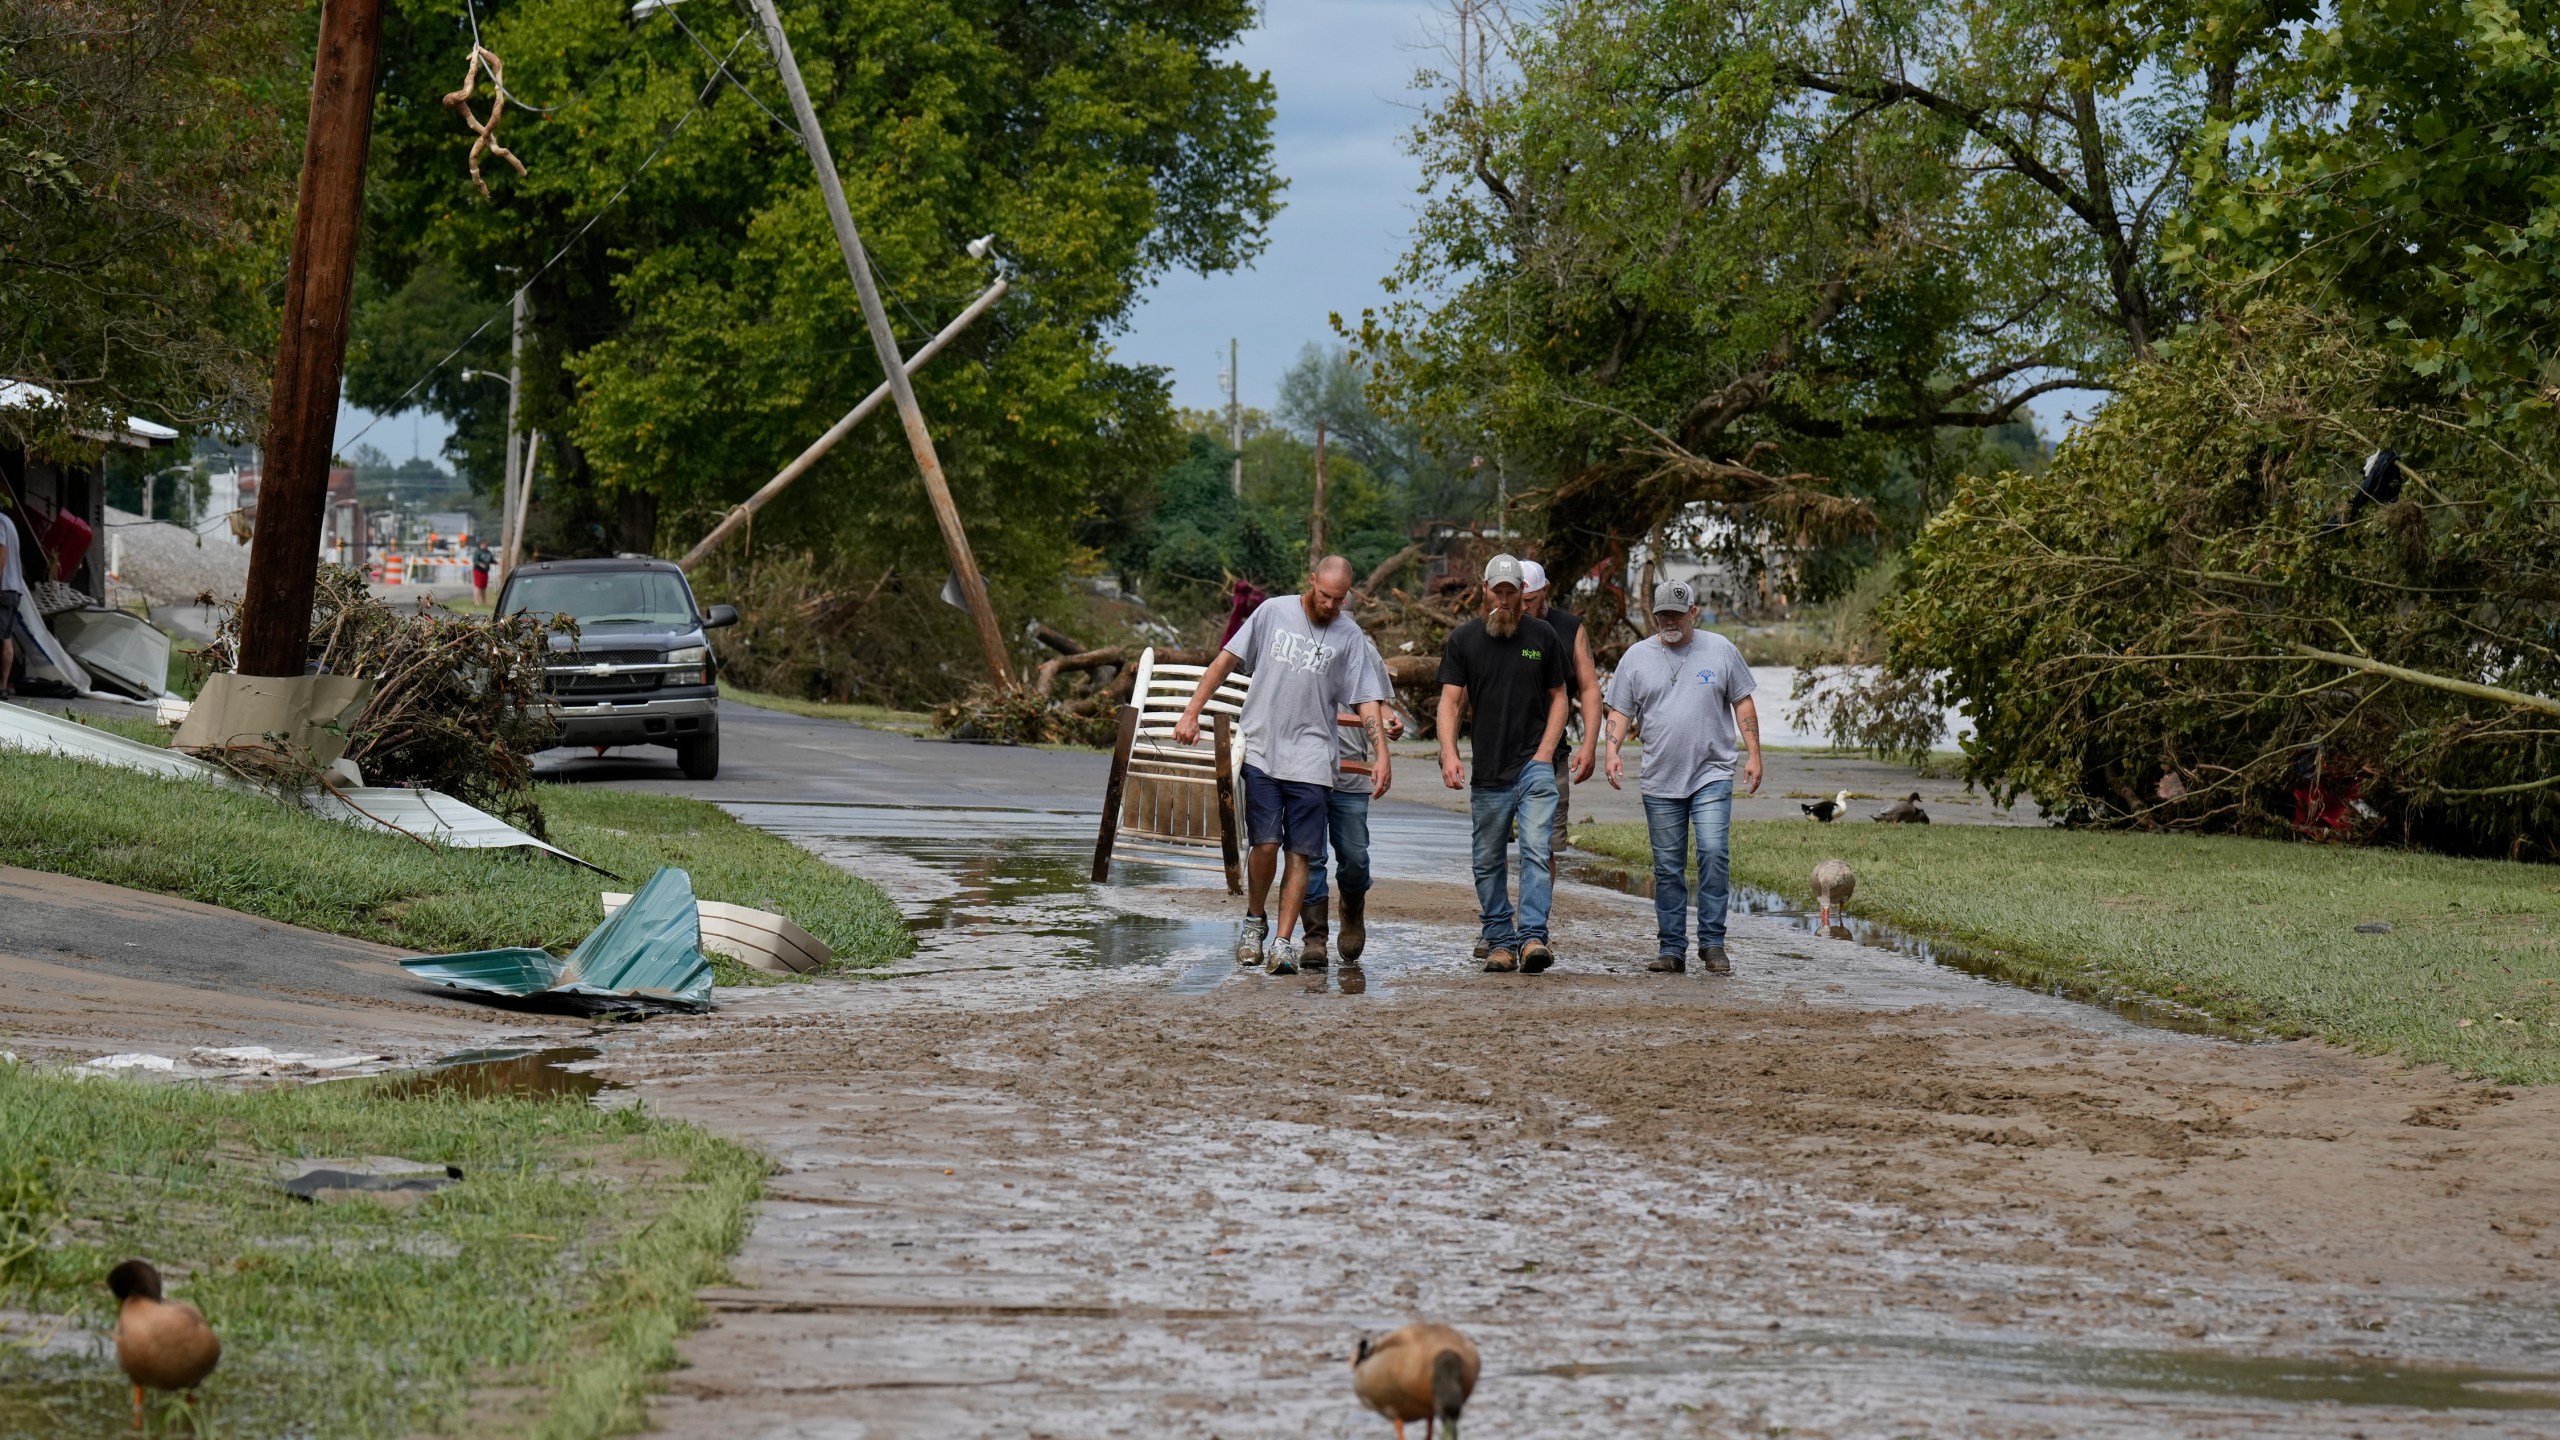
1070, 1176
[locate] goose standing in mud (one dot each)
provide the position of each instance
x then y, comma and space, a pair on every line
1905, 811
1833, 883
1421, 1372
160, 1343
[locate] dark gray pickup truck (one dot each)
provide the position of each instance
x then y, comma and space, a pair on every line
640, 670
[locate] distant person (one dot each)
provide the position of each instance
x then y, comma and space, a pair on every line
483, 559
1582, 677
1690, 691
13, 588
1307, 660
1347, 812
1509, 670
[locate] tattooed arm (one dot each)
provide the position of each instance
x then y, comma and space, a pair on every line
1373, 720
1746, 717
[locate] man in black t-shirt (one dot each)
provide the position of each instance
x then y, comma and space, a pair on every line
1510, 669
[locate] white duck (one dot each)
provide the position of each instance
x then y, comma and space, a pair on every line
1833, 883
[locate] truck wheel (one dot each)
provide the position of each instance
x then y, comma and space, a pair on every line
699, 757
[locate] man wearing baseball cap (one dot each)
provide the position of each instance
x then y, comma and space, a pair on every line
1582, 677
1509, 668
1690, 692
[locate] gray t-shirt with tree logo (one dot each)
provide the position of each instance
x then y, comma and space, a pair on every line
1683, 699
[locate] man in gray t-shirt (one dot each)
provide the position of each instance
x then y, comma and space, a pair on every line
1690, 691
1304, 657
1347, 810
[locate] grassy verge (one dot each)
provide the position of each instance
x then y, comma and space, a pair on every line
535, 1298
876, 717
250, 853
2260, 932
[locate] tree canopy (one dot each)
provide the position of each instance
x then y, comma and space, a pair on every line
699, 330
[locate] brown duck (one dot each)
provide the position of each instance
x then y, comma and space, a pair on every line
1421, 1372
163, 1344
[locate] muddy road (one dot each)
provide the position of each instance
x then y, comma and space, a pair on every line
1070, 1175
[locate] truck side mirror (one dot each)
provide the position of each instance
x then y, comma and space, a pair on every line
721, 615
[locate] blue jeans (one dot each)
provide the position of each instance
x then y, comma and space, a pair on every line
1347, 814
1710, 812
1530, 800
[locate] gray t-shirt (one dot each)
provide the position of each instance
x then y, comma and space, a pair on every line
1302, 677
1684, 701
1351, 742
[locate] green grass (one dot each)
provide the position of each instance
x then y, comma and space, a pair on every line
876, 717
535, 1298
2254, 931
250, 853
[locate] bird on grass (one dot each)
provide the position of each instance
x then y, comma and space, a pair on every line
163, 1344
1905, 811
1829, 810
1421, 1372
1833, 883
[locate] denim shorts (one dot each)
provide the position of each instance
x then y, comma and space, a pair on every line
1291, 814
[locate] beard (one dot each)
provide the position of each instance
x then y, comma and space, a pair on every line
1501, 625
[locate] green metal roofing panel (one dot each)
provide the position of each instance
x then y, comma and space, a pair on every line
650, 949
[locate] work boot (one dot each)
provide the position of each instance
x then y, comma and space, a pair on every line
1673, 964
1535, 957
1311, 927
1355, 926
1715, 959
1498, 961
1249, 933
1284, 956
1483, 947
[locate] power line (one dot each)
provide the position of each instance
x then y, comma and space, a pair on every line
557, 255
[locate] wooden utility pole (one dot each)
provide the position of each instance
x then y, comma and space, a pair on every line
1235, 417
964, 565
311, 353
510, 500
1315, 529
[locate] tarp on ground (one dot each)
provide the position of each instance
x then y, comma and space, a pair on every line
426, 814
120, 651
649, 949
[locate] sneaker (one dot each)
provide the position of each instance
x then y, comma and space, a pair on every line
1716, 961
1249, 933
1535, 957
1669, 965
1284, 956
1498, 961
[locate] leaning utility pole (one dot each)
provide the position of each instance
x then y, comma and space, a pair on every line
1235, 417
964, 566
311, 352
507, 504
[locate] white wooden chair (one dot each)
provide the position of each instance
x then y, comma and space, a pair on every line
1174, 804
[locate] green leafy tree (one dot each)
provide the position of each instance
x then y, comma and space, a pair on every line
700, 330
148, 150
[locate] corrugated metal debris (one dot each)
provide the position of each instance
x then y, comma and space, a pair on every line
649, 949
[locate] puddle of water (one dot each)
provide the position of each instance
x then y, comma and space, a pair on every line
2142, 1010
2283, 1380
506, 1075
97, 1402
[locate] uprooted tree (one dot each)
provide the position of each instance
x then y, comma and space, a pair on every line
2204, 615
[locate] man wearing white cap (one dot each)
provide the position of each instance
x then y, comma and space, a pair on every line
1691, 693
1582, 677
1510, 669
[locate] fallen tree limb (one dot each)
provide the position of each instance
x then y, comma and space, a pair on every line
2445, 683
1386, 570
1047, 679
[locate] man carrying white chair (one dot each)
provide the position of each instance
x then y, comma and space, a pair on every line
1307, 662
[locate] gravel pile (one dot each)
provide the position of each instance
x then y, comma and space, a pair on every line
166, 565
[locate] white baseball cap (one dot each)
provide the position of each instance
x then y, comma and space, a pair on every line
1533, 577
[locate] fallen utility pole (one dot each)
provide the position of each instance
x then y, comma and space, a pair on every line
311, 351
746, 509
524, 502
813, 138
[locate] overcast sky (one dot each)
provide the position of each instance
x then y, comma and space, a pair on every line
1344, 70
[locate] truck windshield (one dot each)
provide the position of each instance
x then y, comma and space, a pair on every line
601, 597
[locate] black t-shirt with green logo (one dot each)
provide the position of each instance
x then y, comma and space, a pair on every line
1508, 683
